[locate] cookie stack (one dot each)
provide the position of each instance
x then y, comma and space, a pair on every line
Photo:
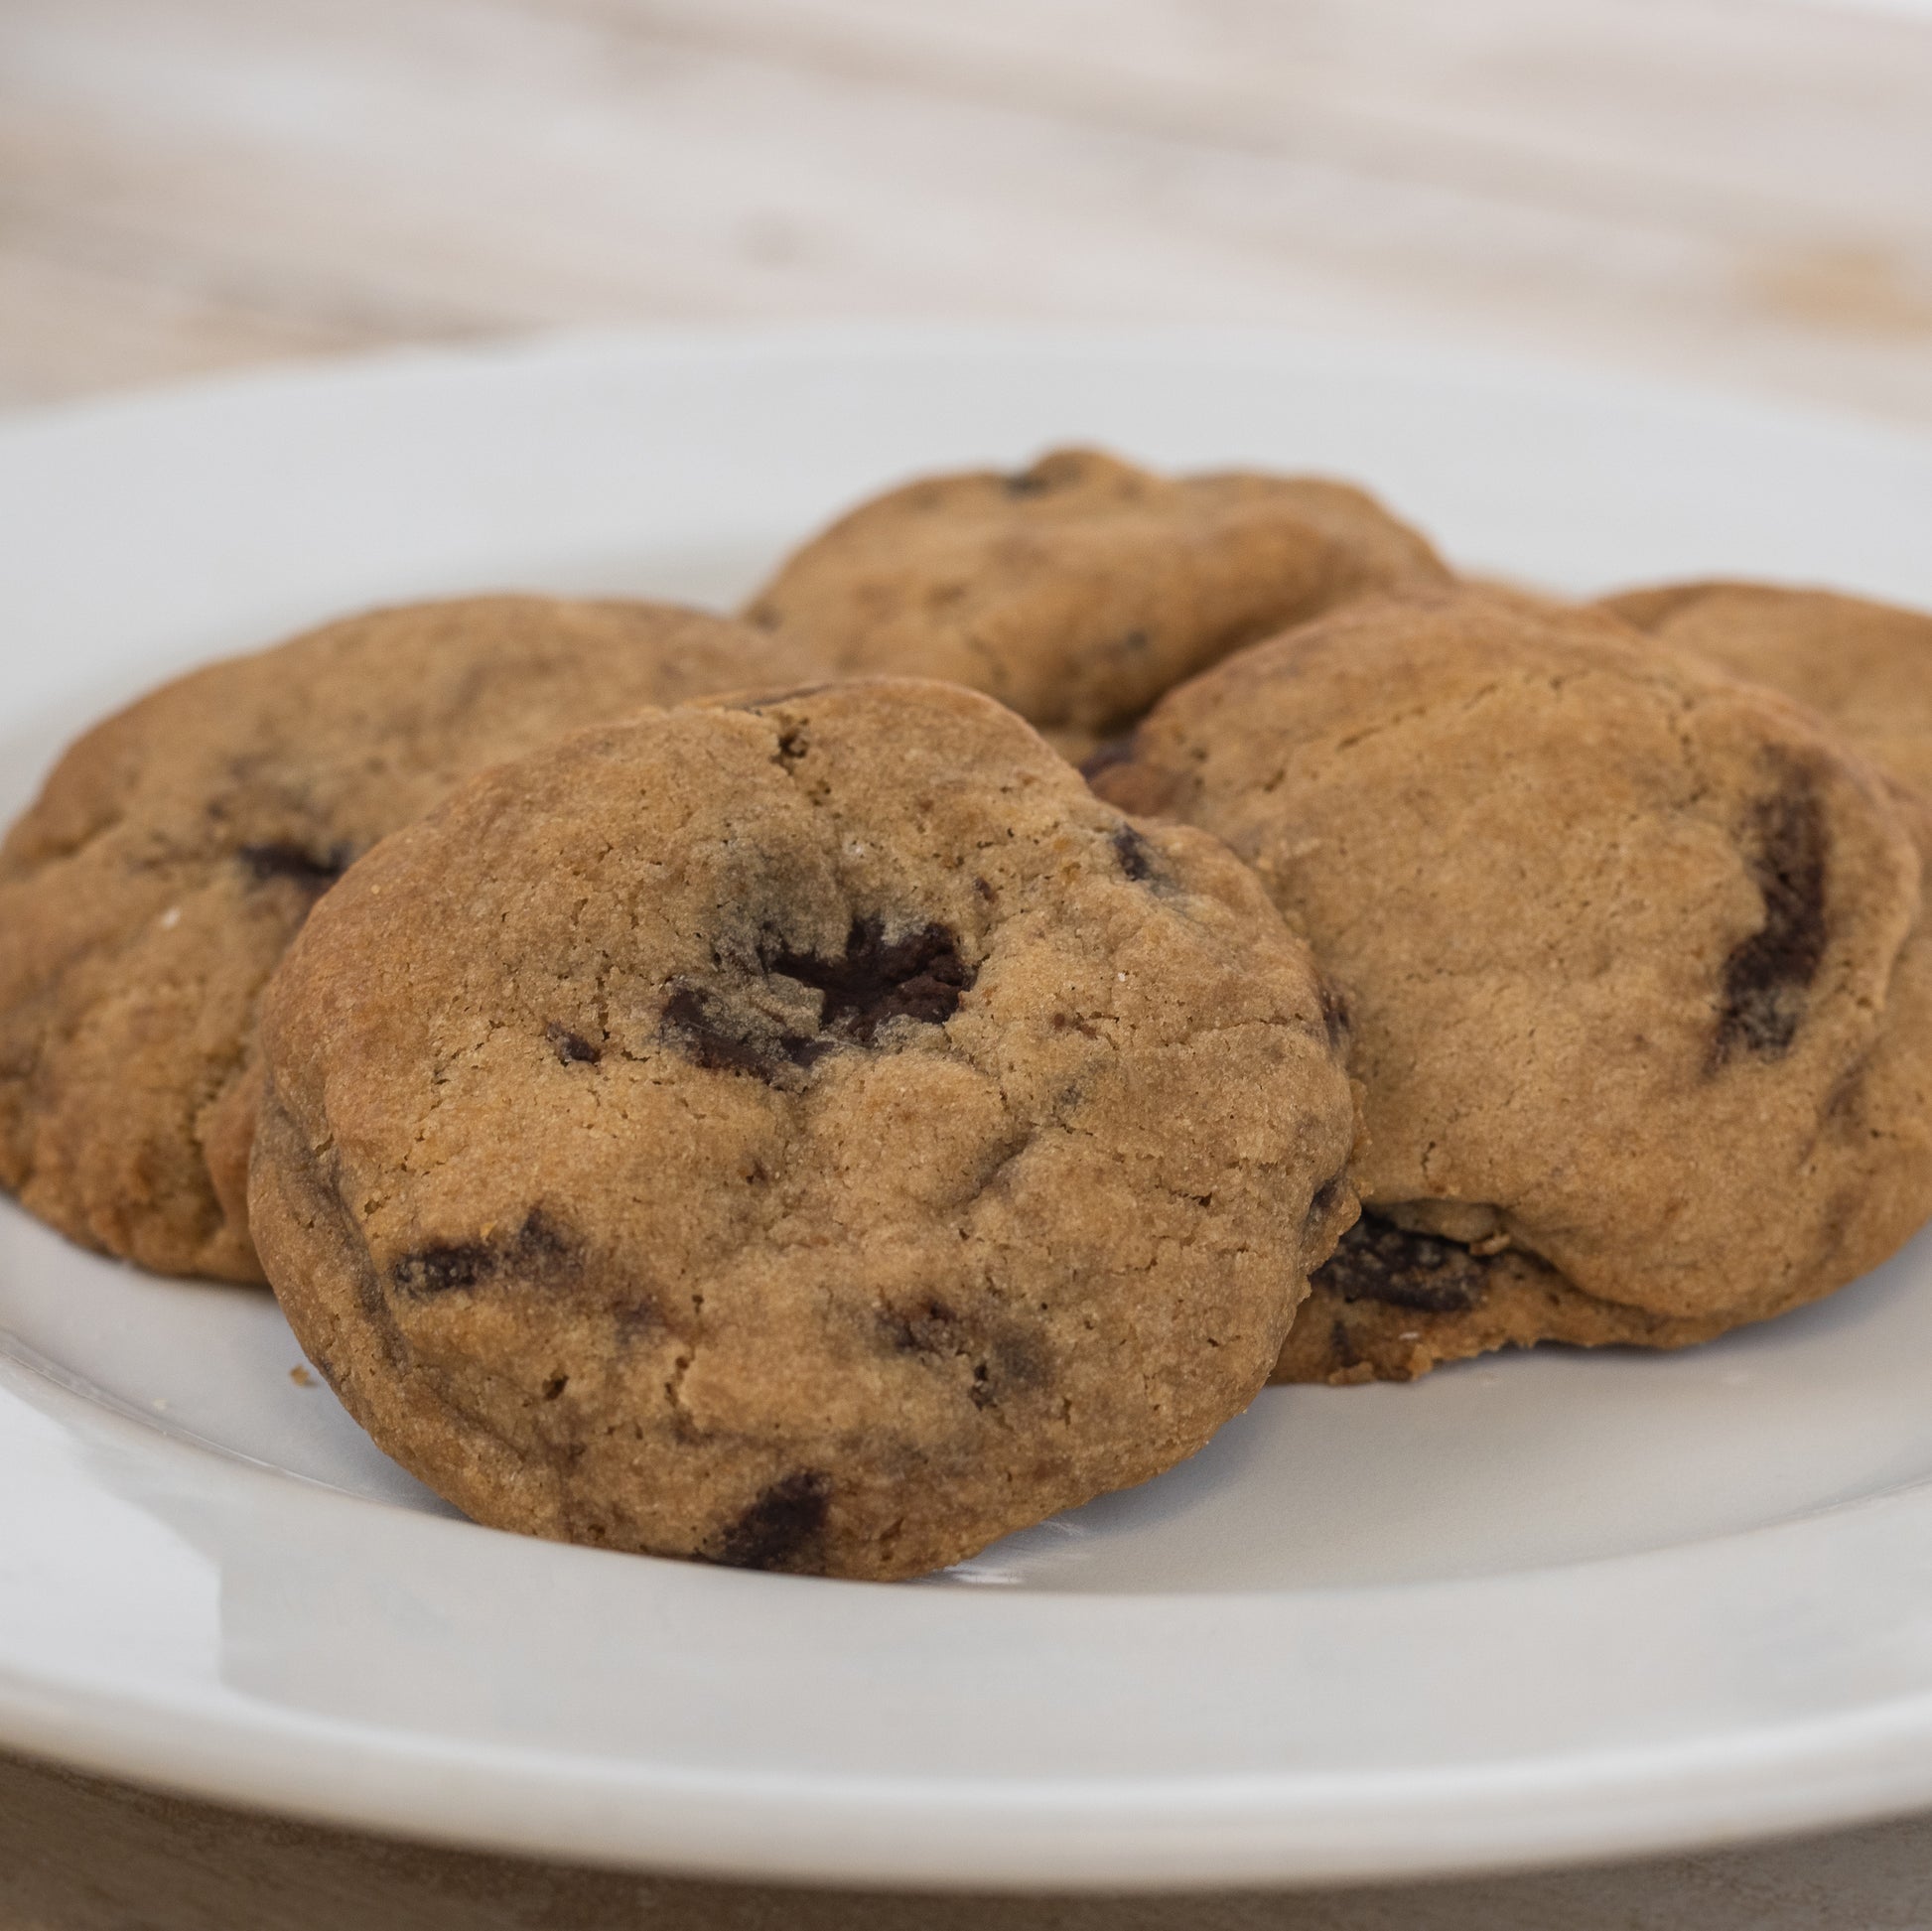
734, 1090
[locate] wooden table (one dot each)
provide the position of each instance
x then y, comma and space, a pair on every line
1727, 189
1736, 192
80, 1856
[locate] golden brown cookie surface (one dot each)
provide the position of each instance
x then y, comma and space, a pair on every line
815, 1135
177, 847
1635, 961
1865, 667
1081, 589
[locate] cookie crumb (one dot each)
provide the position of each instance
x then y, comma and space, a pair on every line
302, 1377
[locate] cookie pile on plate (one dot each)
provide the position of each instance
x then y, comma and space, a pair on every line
734, 1089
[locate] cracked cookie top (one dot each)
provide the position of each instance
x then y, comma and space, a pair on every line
1634, 954
809, 1133
1079, 590
1865, 667
177, 848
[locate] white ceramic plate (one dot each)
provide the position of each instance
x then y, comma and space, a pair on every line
1536, 1607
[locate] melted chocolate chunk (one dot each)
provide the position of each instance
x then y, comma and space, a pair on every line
1135, 854
284, 859
781, 1526
539, 1245
439, 1269
1376, 1259
704, 1029
572, 1047
1002, 1362
920, 976
1768, 975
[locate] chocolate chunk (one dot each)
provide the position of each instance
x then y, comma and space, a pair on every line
1376, 1259
439, 1269
702, 1037
704, 1029
572, 1047
1135, 854
538, 1246
283, 858
781, 1527
1002, 1361
1026, 483
1768, 975
920, 976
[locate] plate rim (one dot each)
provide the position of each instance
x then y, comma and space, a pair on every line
996, 1835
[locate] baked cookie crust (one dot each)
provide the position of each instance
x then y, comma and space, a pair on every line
1865, 667
809, 1134
178, 847
1079, 588
1635, 963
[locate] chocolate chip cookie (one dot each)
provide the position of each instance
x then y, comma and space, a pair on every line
1634, 957
813, 1133
1081, 589
178, 847
1865, 667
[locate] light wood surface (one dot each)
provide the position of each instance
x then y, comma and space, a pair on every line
1736, 192
1729, 190
76, 1855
